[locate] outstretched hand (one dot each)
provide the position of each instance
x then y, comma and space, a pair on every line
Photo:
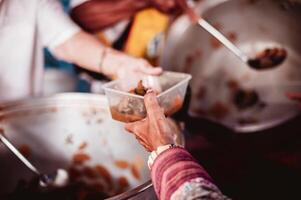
155, 130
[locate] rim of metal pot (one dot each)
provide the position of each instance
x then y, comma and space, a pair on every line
62, 99
133, 192
67, 99
264, 126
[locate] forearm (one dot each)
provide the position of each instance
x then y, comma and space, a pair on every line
176, 174
82, 49
94, 15
87, 52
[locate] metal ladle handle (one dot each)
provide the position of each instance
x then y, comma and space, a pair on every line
188, 7
17, 153
220, 37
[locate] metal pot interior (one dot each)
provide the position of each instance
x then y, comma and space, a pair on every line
219, 77
74, 132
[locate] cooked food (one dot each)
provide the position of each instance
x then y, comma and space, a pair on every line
268, 59
132, 109
139, 90
86, 183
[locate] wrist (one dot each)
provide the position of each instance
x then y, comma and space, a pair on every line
154, 154
102, 59
106, 68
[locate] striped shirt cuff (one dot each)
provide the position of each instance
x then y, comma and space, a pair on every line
172, 168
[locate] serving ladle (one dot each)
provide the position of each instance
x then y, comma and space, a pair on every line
59, 178
267, 59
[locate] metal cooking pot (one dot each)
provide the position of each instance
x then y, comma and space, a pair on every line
224, 89
75, 132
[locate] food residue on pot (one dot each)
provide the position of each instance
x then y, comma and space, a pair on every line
219, 110
135, 172
233, 85
215, 44
83, 145
80, 158
232, 36
121, 164
123, 184
25, 150
244, 98
190, 59
201, 93
103, 172
69, 139
89, 172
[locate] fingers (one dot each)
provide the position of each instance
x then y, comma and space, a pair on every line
130, 127
144, 144
150, 70
134, 129
154, 111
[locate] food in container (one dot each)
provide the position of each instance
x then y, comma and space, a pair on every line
126, 96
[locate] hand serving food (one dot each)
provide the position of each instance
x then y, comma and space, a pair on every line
115, 64
169, 6
155, 130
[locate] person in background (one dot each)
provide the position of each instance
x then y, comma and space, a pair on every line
135, 27
95, 15
28, 26
175, 173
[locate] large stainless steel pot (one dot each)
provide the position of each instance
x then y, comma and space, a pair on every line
75, 132
224, 89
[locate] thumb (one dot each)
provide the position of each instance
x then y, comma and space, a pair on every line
130, 127
134, 126
151, 70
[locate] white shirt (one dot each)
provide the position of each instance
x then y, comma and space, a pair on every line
26, 26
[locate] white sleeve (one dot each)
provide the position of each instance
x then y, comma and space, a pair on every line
74, 3
54, 26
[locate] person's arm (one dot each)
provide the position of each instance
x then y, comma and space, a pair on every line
68, 42
175, 174
86, 51
95, 15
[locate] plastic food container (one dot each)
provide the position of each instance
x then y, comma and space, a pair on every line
128, 107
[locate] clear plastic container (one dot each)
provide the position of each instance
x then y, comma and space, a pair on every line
128, 107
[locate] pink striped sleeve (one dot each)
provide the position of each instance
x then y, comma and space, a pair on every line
172, 168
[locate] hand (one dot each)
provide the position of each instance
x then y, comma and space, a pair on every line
155, 130
119, 65
170, 6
